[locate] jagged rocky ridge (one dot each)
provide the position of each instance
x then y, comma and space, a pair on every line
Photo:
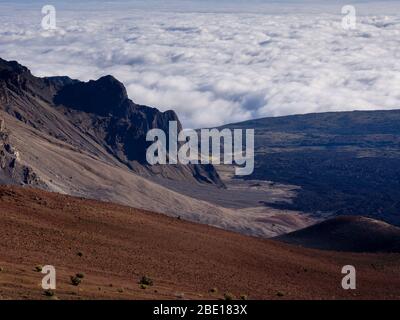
102, 112
87, 139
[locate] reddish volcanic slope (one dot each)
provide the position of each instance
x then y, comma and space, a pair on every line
113, 246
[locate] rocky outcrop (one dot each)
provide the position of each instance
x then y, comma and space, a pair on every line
114, 120
99, 111
12, 171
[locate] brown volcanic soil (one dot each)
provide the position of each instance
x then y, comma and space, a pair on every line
185, 260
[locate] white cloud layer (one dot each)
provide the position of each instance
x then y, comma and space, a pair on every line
216, 67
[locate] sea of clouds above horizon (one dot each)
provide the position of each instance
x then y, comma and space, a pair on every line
221, 66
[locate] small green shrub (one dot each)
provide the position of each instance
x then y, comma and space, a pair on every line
229, 296
146, 281
180, 295
75, 280
49, 293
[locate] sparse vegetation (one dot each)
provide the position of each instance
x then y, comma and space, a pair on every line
143, 286
38, 268
146, 281
229, 296
49, 293
180, 295
75, 280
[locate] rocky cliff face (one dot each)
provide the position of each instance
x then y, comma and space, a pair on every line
80, 113
12, 171
103, 108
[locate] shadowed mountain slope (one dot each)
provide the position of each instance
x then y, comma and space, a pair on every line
355, 234
344, 163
